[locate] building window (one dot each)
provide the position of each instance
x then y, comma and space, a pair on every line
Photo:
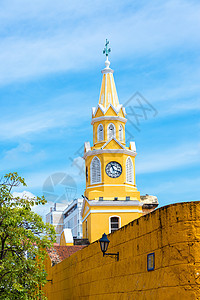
100, 135
114, 224
86, 173
120, 132
86, 229
129, 170
111, 131
95, 171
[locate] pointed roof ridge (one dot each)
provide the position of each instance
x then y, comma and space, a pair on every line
108, 92
105, 109
113, 138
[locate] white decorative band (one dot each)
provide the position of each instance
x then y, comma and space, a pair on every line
116, 118
111, 211
126, 184
104, 71
100, 151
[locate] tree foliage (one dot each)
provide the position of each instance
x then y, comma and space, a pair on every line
23, 240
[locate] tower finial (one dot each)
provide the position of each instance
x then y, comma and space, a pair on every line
106, 50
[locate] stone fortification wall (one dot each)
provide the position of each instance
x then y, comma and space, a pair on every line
172, 233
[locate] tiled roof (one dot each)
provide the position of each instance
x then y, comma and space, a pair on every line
59, 253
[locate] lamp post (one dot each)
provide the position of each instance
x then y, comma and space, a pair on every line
104, 242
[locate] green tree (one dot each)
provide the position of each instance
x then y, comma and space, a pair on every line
23, 240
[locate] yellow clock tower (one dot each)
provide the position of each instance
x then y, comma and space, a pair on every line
111, 196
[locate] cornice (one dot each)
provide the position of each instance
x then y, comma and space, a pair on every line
116, 118
101, 151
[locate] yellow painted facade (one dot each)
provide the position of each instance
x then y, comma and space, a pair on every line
172, 233
109, 149
111, 187
98, 220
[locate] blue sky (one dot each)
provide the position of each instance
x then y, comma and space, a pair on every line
51, 58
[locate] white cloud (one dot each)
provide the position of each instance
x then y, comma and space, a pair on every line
42, 210
36, 179
21, 148
26, 124
20, 156
39, 117
61, 46
180, 186
169, 159
24, 194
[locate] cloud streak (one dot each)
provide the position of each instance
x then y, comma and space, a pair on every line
39, 117
169, 159
62, 46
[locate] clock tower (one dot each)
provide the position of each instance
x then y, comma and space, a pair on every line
109, 165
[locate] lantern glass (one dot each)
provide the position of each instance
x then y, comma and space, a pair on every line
104, 242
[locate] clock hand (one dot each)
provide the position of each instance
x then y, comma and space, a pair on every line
114, 169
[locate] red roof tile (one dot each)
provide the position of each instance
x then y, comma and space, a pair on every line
59, 253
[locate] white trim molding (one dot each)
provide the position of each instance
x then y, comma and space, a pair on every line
114, 118
87, 147
113, 138
105, 109
111, 211
125, 184
83, 219
100, 151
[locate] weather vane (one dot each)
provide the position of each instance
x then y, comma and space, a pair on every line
106, 50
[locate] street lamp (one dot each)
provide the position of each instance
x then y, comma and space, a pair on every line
104, 242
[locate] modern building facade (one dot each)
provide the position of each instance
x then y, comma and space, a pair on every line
55, 217
72, 218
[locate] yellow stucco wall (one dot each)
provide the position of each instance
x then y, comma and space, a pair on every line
111, 187
98, 220
95, 231
171, 232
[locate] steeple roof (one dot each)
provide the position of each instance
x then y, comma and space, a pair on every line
108, 99
108, 93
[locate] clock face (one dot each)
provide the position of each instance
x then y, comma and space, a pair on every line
113, 169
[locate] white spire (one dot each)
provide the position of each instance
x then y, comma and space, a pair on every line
107, 68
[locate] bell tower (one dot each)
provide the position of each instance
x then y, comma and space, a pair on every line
110, 165
111, 196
